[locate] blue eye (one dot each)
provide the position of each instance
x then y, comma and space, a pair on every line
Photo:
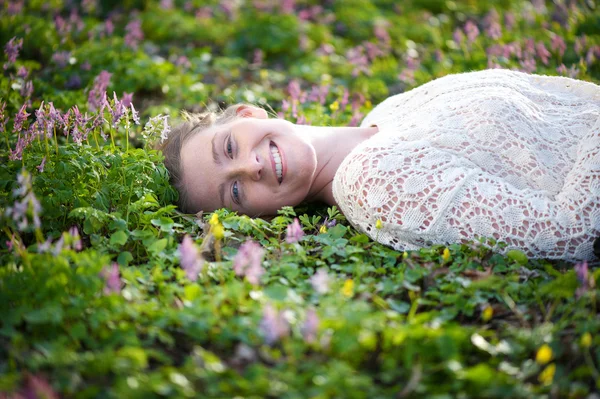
229, 148
235, 193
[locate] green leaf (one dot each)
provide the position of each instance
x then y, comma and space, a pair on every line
124, 258
157, 246
517, 256
118, 238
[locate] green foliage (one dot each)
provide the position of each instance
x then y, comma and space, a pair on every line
440, 322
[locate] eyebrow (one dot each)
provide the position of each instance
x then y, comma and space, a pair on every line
218, 162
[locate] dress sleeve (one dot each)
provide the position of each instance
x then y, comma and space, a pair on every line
424, 195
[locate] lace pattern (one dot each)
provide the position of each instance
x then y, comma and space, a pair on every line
494, 153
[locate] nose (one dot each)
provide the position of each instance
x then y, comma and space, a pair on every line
249, 166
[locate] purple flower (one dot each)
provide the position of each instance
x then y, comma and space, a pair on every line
294, 89
61, 58
76, 238
86, 66
294, 232
112, 279
310, 326
73, 83
27, 89
109, 27
472, 31
357, 58
580, 44
458, 36
273, 325
134, 34
492, 25
528, 65
97, 96
15, 7
542, 52
190, 259
28, 205
126, 99
509, 20
12, 50
583, 277
20, 118
156, 126
134, 115
558, 44
23, 72
248, 262
40, 167
38, 387
117, 110
320, 281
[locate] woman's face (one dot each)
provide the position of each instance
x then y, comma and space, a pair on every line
252, 165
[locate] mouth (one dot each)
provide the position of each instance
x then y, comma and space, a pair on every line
277, 162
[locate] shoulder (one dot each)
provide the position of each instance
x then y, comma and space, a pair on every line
444, 89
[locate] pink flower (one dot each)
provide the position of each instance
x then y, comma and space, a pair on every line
294, 232
273, 325
112, 279
248, 262
472, 31
310, 326
190, 259
320, 281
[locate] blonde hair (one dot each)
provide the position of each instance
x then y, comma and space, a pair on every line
193, 124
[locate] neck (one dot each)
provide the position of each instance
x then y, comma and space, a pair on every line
332, 145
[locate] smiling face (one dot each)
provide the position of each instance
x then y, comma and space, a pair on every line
252, 165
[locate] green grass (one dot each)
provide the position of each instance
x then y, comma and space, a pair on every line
440, 322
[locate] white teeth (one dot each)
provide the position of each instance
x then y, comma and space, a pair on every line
277, 158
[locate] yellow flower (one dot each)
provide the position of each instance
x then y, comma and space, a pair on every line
446, 255
547, 375
487, 313
334, 106
348, 289
586, 340
368, 104
323, 229
214, 219
378, 224
218, 231
264, 74
544, 354
404, 255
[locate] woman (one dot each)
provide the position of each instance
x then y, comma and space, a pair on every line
494, 153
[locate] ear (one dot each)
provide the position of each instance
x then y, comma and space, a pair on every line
249, 111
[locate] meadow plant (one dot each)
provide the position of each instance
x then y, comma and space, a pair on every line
93, 298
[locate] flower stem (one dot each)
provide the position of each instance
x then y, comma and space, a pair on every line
55, 141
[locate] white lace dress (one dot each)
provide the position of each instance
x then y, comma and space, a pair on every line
495, 153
